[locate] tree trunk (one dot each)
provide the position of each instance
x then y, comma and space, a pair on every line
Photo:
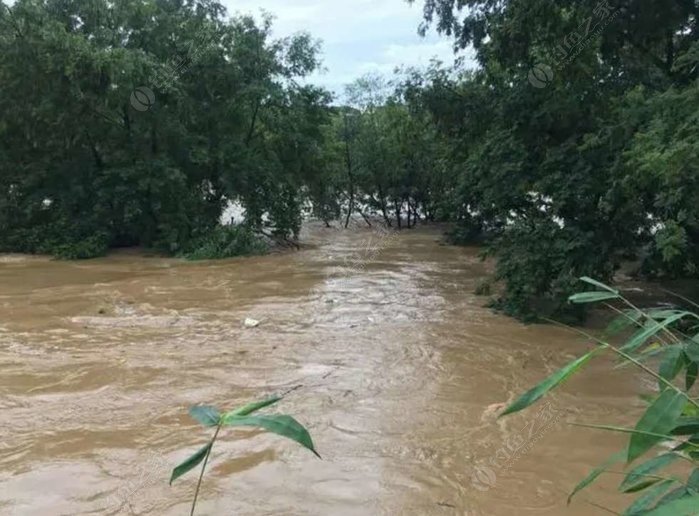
350, 175
366, 219
251, 128
350, 208
384, 210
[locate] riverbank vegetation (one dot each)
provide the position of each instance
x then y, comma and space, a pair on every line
224, 242
571, 148
133, 123
574, 146
666, 435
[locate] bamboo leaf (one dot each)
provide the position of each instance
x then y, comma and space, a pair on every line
623, 321
207, 416
675, 494
191, 463
533, 395
643, 503
660, 418
688, 506
693, 481
253, 407
672, 362
638, 478
592, 297
651, 351
661, 314
595, 473
686, 426
690, 410
599, 284
691, 348
646, 333
286, 426
692, 374
623, 430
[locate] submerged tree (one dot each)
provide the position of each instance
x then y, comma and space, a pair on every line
135, 122
572, 146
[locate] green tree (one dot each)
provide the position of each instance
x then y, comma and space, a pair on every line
87, 165
571, 147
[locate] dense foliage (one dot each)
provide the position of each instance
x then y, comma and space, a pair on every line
575, 144
224, 242
135, 122
668, 431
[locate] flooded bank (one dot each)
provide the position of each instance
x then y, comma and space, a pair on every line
403, 370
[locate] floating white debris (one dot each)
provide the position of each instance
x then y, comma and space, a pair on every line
251, 323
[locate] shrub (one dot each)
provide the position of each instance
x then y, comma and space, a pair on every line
539, 263
91, 247
672, 417
226, 242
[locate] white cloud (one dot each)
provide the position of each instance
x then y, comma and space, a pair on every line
330, 20
416, 54
358, 36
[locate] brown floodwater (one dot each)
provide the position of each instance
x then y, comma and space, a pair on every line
403, 372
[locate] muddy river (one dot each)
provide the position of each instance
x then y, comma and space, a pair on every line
403, 372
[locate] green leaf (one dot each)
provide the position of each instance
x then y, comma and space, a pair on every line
693, 481
595, 473
599, 284
639, 477
207, 416
643, 503
648, 398
620, 323
253, 407
553, 381
660, 418
691, 348
690, 410
623, 430
191, 462
692, 373
646, 333
686, 426
592, 297
286, 426
672, 362
650, 352
675, 494
662, 314
683, 507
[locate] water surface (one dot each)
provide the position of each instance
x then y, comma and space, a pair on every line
403, 370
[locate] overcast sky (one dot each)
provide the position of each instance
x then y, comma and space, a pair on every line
358, 36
